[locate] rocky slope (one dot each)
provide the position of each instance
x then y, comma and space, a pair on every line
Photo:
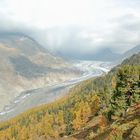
25, 64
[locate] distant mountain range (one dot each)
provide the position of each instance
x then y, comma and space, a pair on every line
107, 55
104, 54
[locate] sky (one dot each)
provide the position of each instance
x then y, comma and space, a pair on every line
73, 26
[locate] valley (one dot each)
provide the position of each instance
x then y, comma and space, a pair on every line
69, 70
31, 98
97, 108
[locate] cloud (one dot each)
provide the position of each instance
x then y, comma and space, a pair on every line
74, 27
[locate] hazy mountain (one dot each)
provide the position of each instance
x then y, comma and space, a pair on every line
104, 54
25, 64
130, 52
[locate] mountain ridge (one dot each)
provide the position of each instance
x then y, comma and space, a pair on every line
24, 62
130, 52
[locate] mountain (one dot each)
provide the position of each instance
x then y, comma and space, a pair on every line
105, 108
135, 60
104, 54
132, 51
25, 64
129, 53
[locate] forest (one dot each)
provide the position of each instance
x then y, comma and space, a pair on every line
107, 107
